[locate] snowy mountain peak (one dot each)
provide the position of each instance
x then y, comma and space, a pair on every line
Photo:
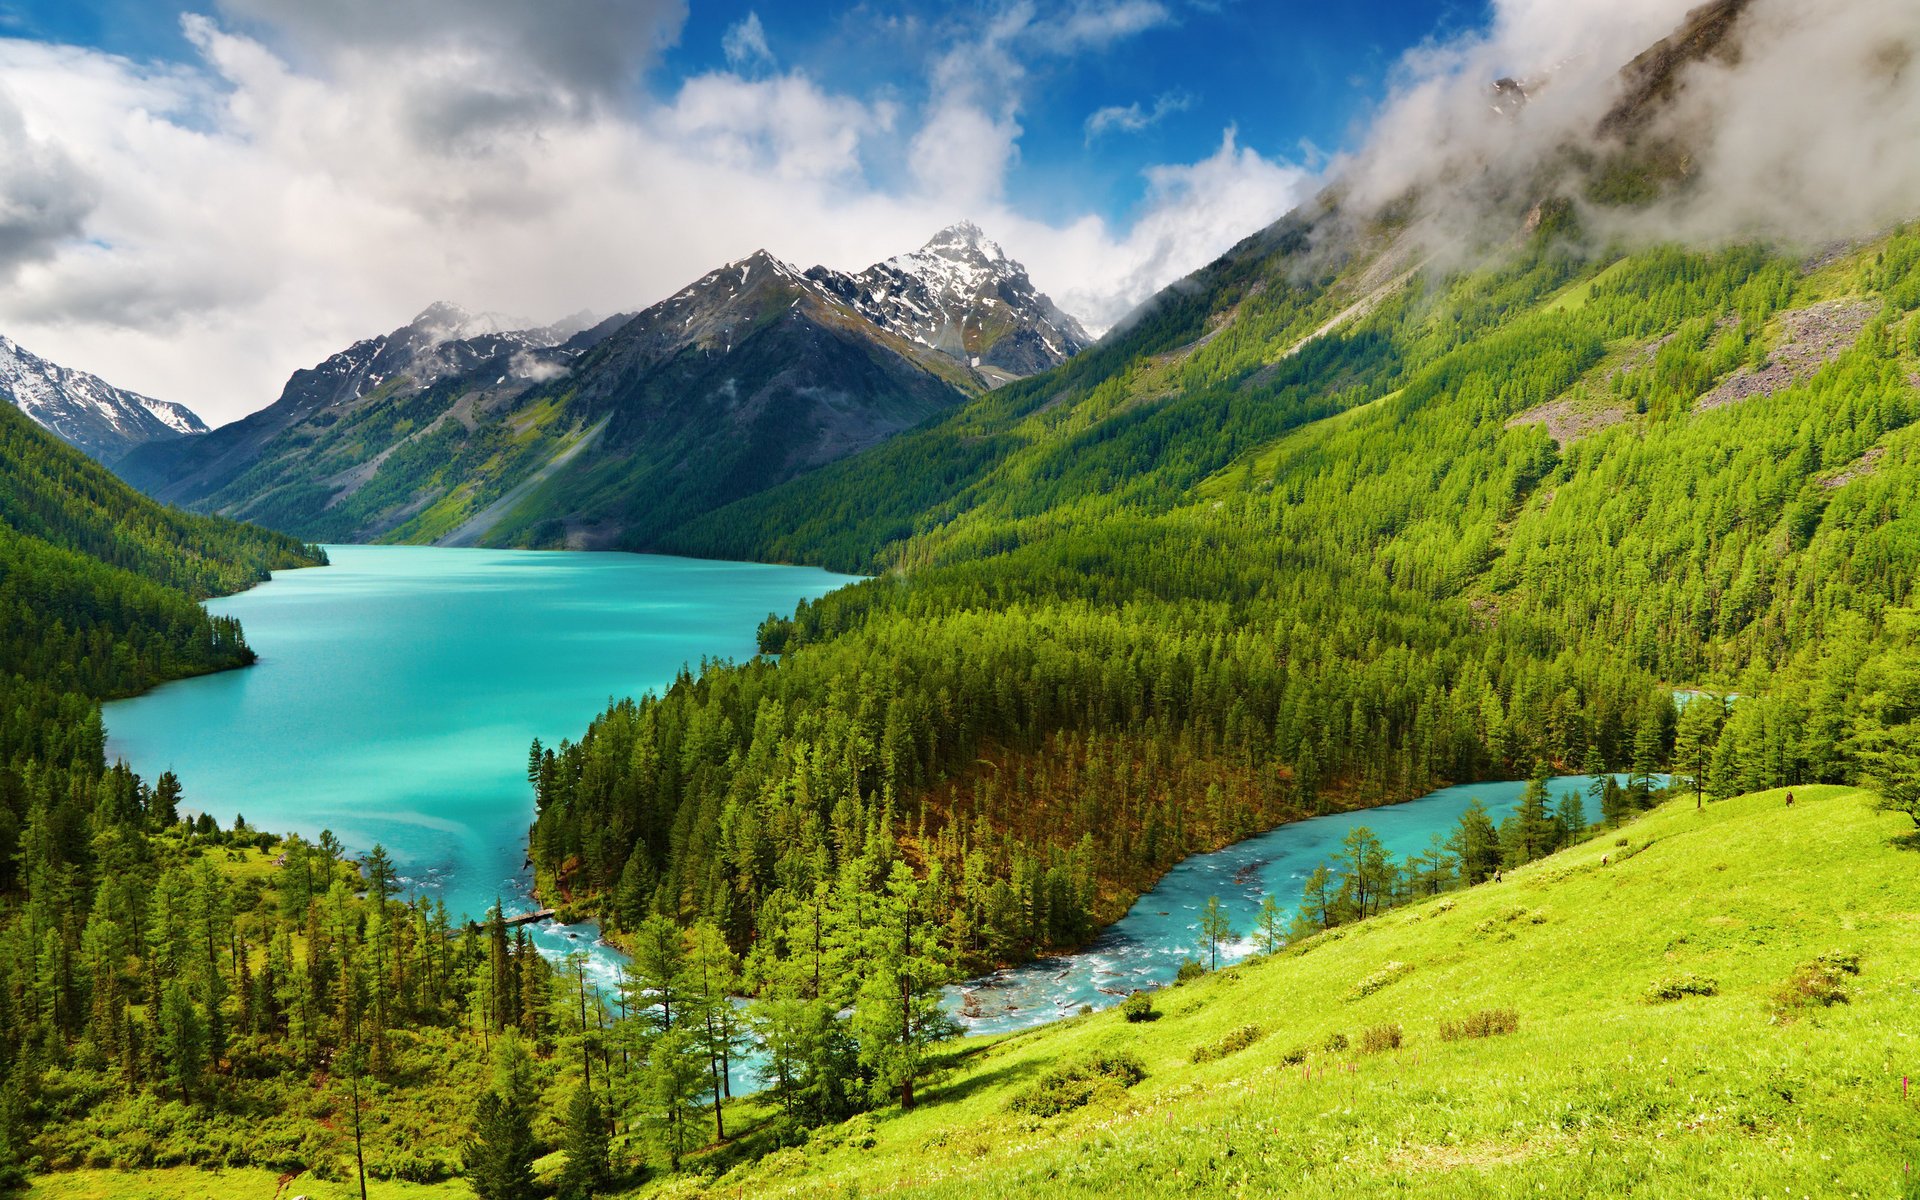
964, 240
445, 321
84, 410
961, 295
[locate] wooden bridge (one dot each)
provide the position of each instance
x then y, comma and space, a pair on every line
539, 914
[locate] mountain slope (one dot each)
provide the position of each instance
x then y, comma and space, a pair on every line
614, 435
86, 411
436, 377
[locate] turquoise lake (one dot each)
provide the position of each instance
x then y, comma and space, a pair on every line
397, 691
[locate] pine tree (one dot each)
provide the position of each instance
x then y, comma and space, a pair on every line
1694, 743
1646, 760
1537, 831
1215, 927
1318, 903
1272, 929
183, 1044
589, 1166
897, 1017
675, 1070
380, 875
712, 974
164, 806
1477, 844
500, 1153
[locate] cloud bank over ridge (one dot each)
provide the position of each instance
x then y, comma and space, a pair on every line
198, 230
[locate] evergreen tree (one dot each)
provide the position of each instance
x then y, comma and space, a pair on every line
1272, 929
1646, 760
500, 1154
1476, 843
183, 1039
675, 1071
897, 1017
589, 1166
654, 979
1571, 815
1694, 742
1536, 832
1214, 928
712, 974
165, 804
1318, 902
1615, 804
1367, 883
380, 874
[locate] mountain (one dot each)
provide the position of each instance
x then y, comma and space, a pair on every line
963, 296
349, 401
458, 430
86, 411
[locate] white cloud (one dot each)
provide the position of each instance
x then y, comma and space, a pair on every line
1804, 131
1132, 118
197, 231
1192, 215
745, 44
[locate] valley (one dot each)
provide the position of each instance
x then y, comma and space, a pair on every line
1425, 703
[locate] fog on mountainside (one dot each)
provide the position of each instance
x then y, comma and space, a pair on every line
1732, 120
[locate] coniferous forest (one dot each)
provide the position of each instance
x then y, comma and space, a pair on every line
1186, 588
1333, 523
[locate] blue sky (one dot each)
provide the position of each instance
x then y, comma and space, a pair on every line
218, 195
1293, 78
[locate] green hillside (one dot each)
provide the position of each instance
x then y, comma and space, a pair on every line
1788, 1080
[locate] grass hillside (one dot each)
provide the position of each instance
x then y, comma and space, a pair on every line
1600, 1091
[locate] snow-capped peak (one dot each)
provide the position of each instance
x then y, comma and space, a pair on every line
85, 410
960, 294
445, 321
964, 239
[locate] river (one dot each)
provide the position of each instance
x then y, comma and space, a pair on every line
397, 691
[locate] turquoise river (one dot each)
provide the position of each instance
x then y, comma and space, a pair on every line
397, 691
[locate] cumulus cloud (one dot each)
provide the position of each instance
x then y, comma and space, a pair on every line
589, 45
44, 195
1193, 214
199, 230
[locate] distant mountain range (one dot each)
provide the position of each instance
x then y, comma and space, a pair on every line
462, 429
85, 410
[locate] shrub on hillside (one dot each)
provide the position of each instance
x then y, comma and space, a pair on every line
1678, 987
1233, 1043
1379, 979
1378, 1039
1138, 1007
1295, 1056
1189, 971
1488, 1022
1072, 1086
1820, 983
1336, 1043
